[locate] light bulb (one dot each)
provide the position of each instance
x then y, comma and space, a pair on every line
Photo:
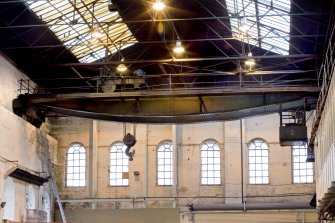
244, 27
178, 48
250, 62
121, 68
158, 5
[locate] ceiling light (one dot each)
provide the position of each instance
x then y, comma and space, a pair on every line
96, 33
244, 27
158, 5
178, 48
122, 67
250, 62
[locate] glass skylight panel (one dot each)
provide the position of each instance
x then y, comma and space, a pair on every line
74, 27
269, 30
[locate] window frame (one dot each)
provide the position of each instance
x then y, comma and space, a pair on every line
80, 145
275, 28
157, 164
306, 169
215, 142
249, 163
124, 157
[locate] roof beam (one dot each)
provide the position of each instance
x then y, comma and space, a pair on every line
161, 41
173, 20
173, 60
167, 106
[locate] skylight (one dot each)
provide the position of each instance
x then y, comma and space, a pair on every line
269, 30
73, 22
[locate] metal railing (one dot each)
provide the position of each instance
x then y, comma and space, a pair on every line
326, 175
323, 132
26, 87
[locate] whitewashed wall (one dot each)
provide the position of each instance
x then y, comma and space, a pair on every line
188, 140
21, 144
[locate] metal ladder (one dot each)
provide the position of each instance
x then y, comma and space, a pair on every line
53, 181
55, 190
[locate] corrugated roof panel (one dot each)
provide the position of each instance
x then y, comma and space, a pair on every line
74, 26
271, 28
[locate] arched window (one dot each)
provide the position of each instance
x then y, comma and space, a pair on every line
119, 165
258, 162
302, 170
76, 166
210, 163
165, 164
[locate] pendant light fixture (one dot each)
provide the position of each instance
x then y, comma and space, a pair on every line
178, 49
122, 67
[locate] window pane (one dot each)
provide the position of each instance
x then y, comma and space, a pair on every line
76, 166
82, 183
217, 174
119, 163
309, 172
160, 181
217, 160
309, 179
210, 180
258, 162
164, 163
252, 153
69, 170
168, 155
70, 183
210, 163
302, 171
259, 180
265, 153
264, 159
76, 156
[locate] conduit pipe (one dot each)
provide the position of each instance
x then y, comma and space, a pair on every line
250, 206
97, 200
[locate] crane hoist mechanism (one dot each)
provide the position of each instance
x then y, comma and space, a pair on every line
129, 140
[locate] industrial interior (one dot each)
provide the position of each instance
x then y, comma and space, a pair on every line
167, 111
